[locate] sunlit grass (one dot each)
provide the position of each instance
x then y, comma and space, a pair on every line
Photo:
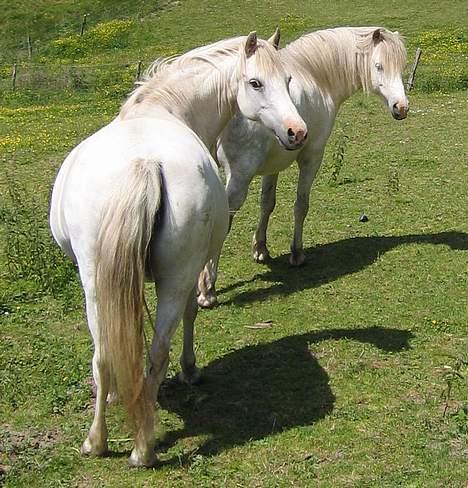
361, 378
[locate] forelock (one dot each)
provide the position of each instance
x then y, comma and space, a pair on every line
392, 52
267, 59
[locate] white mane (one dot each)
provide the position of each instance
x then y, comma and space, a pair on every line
339, 58
215, 67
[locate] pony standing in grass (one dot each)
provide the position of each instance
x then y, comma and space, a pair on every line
327, 67
142, 198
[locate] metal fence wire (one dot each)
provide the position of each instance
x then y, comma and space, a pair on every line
67, 76
448, 73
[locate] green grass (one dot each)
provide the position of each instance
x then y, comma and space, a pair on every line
355, 383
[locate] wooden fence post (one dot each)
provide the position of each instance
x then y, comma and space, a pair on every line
410, 83
13, 78
138, 71
83, 24
29, 47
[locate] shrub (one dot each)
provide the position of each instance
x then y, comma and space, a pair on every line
104, 36
444, 61
31, 255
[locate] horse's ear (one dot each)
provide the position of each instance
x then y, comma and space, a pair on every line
251, 44
377, 36
275, 38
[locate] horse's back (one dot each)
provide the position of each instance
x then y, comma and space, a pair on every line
192, 191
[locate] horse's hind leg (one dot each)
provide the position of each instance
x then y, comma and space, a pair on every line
143, 454
207, 283
172, 305
96, 441
237, 187
190, 374
268, 201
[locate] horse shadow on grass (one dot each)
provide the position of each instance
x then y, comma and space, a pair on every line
263, 389
328, 262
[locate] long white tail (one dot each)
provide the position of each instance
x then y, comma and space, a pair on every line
121, 251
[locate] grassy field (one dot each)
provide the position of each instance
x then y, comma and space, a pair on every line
361, 380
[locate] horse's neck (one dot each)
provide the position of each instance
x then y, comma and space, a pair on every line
203, 111
206, 117
341, 85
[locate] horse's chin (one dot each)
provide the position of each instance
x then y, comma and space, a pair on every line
398, 116
285, 146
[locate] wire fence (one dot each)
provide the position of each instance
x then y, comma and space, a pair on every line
35, 76
445, 74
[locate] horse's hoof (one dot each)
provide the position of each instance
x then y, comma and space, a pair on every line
207, 301
87, 449
191, 378
297, 258
261, 256
260, 252
137, 461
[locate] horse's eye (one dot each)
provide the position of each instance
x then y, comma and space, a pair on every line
255, 84
288, 81
379, 67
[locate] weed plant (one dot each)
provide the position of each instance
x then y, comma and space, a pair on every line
338, 155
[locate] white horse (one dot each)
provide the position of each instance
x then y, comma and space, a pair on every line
327, 67
142, 197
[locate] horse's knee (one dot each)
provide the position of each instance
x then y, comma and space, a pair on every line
236, 198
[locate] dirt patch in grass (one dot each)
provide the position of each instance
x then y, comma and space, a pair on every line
14, 444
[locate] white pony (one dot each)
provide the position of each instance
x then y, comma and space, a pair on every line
142, 197
327, 67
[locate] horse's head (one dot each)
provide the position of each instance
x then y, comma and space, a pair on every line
263, 93
386, 69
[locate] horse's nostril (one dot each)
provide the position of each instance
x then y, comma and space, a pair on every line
290, 132
300, 136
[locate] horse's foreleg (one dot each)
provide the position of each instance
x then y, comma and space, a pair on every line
267, 205
307, 170
190, 374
